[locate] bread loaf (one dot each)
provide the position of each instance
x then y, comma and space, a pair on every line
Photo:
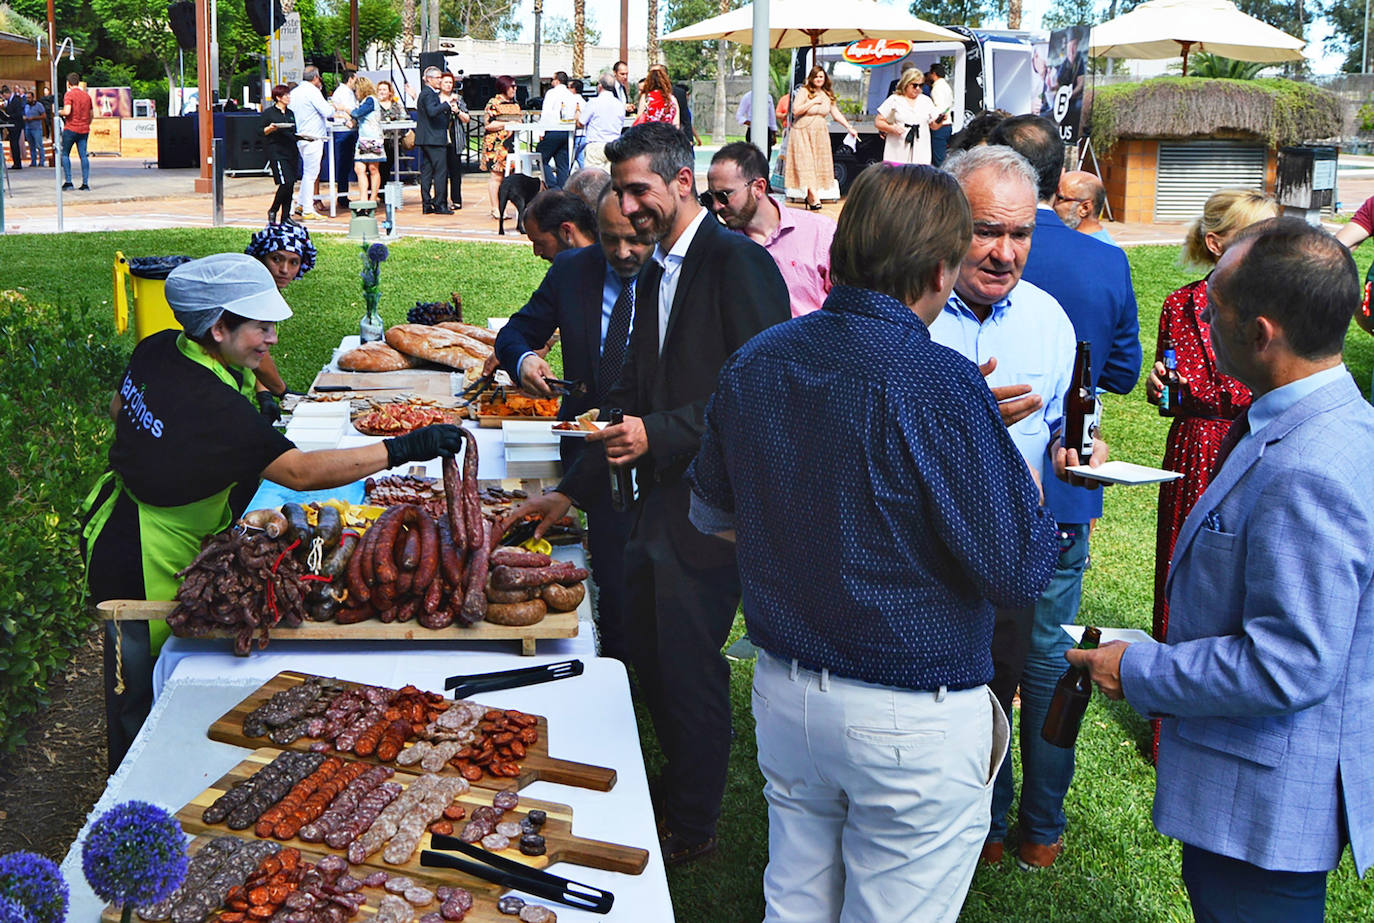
376, 357
433, 344
481, 334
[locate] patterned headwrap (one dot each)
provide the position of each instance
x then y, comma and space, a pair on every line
289, 237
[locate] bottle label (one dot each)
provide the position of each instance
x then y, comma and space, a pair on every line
1085, 450
1170, 359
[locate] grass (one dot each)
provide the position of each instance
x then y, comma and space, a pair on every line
1116, 868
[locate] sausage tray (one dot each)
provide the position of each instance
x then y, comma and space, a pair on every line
537, 766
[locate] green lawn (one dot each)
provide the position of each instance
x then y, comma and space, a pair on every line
1116, 867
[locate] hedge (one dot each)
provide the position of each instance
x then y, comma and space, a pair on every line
55, 380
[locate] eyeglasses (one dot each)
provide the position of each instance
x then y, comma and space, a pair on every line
1064, 198
719, 197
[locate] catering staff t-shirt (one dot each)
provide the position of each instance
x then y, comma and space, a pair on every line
182, 434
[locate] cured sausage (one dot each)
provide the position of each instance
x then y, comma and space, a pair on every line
472, 503
387, 527
409, 557
474, 607
358, 590
329, 526
453, 491
518, 557
518, 614
563, 598
515, 578
450, 557
433, 596
429, 553
511, 596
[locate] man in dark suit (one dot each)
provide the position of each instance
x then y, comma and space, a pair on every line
588, 295
431, 136
705, 294
14, 117
1091, 280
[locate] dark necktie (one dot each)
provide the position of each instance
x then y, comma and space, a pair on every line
616, 345
1240, 428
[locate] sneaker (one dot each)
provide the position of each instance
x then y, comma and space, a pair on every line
296, 212
309, 216
1032, 856
84, 188
66, 186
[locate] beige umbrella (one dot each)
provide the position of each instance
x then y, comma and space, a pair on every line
1169, 28
807, 23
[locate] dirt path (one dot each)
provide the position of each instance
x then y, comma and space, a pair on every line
49, 786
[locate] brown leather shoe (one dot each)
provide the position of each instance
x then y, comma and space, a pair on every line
992, 852
1039, 855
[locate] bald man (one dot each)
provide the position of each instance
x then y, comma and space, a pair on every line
1079, 202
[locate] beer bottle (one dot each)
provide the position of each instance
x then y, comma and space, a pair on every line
1071, 695
1171, 396
1080, 406
622, 480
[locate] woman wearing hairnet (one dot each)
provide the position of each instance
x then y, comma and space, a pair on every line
187, 433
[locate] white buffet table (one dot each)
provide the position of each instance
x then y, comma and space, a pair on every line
590, 717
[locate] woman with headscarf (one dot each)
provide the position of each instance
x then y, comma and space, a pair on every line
288, 254
189, 450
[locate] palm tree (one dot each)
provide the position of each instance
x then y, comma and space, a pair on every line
407, 27
579, 37
718, 123
1204, 64
653, 31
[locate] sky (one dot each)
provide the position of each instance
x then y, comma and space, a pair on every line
606, 15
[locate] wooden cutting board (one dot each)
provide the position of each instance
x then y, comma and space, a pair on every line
562, 844
553, 625
484, 894
537, 766
436, 384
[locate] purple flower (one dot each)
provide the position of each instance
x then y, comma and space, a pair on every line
11, 911
378, 253
35, 883
135, 854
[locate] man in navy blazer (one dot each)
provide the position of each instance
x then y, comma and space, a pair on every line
1091, 280
1264, 679
577, 298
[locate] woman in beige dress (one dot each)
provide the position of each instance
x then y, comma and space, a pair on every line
810, 167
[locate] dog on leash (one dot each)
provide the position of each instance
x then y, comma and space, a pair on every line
517, 188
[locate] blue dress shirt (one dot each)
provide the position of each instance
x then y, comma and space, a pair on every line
1032, 340
879, 506
1269, 406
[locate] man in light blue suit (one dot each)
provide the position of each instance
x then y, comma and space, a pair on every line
1264, 757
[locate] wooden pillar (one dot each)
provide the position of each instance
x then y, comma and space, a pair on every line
204, 183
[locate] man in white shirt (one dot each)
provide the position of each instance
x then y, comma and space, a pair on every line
344, 141
602, 120
745, 115
942, 98
558, 113
311, 111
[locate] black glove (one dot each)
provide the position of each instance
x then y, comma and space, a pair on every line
267, 404
425, 443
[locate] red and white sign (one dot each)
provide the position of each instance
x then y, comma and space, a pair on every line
872, 52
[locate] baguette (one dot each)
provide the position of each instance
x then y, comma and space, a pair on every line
376, 357
433, 344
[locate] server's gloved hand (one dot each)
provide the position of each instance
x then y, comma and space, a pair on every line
425, 443
268, 406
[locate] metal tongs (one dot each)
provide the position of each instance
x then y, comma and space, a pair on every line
475, 390
464, 686
511, 874
570, 388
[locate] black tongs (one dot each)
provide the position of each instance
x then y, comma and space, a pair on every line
562, 386
473, 391
511, 874
464, 686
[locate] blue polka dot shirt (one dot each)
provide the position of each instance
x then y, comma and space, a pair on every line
880, 508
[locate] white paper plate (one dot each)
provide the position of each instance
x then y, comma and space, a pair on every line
577, 433
1129, 635
1120, 472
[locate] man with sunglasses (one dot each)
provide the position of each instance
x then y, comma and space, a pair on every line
798, 241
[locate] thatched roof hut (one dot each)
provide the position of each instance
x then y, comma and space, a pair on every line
1274, 110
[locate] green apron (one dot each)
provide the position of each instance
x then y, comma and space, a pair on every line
169, 536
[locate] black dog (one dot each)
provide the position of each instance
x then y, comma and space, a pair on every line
517, 188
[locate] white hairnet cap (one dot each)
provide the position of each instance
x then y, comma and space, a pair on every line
201, 290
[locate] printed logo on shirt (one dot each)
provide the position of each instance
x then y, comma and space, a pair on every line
137, 408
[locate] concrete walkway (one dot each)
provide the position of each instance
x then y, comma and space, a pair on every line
126, 195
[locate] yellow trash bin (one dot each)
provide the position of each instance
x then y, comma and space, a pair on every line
148, 275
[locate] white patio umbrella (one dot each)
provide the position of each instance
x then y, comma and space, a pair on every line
1169, 28
807, 23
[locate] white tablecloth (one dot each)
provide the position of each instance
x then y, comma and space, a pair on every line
590, 720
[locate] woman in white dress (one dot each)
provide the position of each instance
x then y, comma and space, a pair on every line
370, 151
904, 119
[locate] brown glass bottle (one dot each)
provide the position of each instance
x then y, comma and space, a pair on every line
622, 480
1080, 406
1171, 396
1071, 695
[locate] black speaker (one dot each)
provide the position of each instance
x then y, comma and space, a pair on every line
263, 14
244, 145
183, 17
432, 59
178, 144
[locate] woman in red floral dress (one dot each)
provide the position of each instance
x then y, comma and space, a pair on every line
1211, 400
